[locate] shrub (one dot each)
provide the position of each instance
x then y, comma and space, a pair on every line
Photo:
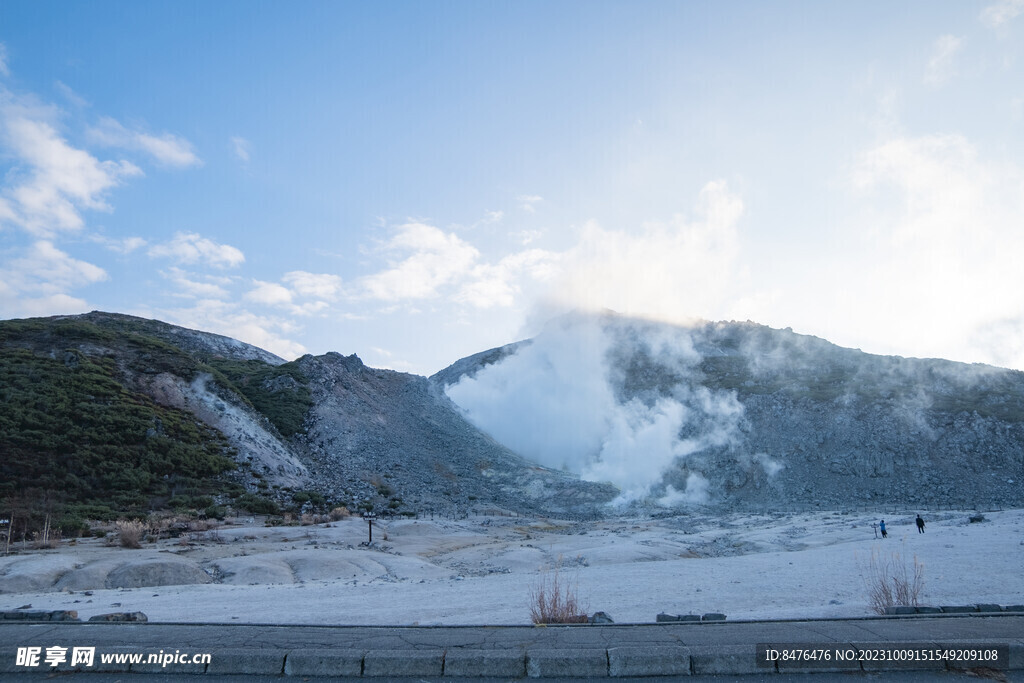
129, 532
257, 505
555, 600
340, 513
893, 580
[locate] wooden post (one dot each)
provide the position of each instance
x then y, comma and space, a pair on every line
369, 517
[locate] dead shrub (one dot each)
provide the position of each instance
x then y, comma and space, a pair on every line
200, 525
555, 599
893, 581
340, 513
129, 532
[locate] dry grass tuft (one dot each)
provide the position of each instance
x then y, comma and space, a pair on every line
893, 581
555, 599
129, 532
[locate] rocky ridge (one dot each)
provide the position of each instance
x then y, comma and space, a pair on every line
810, 424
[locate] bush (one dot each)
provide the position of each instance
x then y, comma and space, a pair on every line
340, 513
129, 533
554, 600
257, 505
893, 580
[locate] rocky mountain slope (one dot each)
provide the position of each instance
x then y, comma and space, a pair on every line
104, 415
378, 434
756, 417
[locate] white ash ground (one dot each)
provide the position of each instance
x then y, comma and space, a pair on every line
481, 570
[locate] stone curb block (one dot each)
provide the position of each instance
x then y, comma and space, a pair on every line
111, 668
726, 659
1016, 656
648, 661
8, 657
896, 665
172, 668
403, 663
832, 666
674, 618
713, 616
583, 663
958, 609
248, 662
954, 665
984, 607
321, 662
484, 663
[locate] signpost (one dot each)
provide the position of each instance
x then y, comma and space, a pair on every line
369, 517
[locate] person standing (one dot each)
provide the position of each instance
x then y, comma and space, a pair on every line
920, 525
881, 527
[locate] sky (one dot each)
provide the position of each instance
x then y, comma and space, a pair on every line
418, 181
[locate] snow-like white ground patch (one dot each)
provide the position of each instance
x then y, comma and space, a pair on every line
481, 570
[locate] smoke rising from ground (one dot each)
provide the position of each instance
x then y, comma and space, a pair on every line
566, 400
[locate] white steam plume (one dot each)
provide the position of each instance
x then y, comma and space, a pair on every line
555, 401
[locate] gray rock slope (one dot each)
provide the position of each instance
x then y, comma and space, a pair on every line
815, 424
396, 440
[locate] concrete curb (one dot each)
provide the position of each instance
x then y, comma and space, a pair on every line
649, 661
485, 663
403, 663
626, 661
321, 663
614, 651
567, 663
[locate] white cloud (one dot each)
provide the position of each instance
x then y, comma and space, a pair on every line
527, 237
944, 246
38, 281
123, 246
195, 286
997, 14
940, 67
167, 148
320, 285
269, 294
304, 285
190, 248
267, 332
242, 148
528, 202
490, 286
436, 259
70, 95
672, 271
51, 181
4, 71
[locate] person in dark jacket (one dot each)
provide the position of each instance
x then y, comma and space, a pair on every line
920, 525
881, 527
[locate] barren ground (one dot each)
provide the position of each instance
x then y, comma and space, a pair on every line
481, 570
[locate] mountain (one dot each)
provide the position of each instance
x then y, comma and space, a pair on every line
103, 415
743, 415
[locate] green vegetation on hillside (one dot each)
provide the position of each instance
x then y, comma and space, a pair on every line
71, 432
280, 392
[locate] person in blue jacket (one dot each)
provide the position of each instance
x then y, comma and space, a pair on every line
881, 527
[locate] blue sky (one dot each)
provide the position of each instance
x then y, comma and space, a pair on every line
418, 181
